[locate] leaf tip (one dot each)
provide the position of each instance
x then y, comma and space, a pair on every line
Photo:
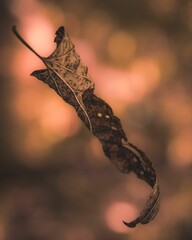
60, 33
33, 74
130, 224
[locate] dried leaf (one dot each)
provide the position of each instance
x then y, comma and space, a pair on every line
68, 77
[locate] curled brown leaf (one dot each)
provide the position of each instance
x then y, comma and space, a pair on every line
66, 74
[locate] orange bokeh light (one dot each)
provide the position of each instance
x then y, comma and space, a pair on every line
180, 150
131, 85
121, 47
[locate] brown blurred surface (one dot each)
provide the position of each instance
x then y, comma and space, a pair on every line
55, 180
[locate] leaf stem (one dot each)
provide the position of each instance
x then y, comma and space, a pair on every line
24, 42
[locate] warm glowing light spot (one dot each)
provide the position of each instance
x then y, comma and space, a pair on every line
131, 85
121, 47
45, 119
26, 102
35, 25
180, 150
29, 63
117, 212
114, 85
37, 29
39, 33
146, 75
32, 145
58, 121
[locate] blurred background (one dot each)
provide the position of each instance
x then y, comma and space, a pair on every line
55, 182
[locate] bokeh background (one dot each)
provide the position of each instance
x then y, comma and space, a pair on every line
55, 182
